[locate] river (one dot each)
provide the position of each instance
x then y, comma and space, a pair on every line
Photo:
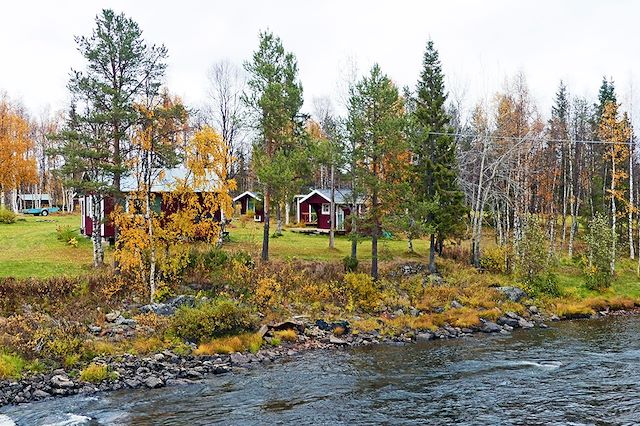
576, 372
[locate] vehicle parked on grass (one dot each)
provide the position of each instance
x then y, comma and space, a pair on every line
44, 211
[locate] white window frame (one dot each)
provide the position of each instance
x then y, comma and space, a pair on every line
328, 208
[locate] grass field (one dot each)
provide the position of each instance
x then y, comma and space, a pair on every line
29, 248
316, 247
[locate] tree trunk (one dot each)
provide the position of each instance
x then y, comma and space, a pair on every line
432, 254
631, 200
265, 233
152, 251
279, 219
374, 233
613, 216
96, 237
332, 210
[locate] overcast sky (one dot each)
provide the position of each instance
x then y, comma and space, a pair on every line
481, 43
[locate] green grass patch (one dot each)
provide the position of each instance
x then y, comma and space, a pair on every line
30, 248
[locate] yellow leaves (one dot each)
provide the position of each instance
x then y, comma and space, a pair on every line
17, 165
156, 243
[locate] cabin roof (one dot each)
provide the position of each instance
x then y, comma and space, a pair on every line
250, 194
343, 196
169, 181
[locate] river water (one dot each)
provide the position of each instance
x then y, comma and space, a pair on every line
577, 373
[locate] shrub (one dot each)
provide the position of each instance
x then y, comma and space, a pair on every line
209, 319
66, 234
93, 348
350, 264
533, 256
546, 284
361, 291
11, 366
493, 259
7, 216
95, 373
599, 241
268, 292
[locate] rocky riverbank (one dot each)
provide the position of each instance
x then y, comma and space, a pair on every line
169, 369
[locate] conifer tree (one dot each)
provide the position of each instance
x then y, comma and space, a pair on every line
274, 99
434, 149
376, 125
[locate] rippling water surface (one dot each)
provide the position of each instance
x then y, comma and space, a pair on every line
582, 372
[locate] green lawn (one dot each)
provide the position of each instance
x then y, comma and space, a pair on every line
29, 248
292, 245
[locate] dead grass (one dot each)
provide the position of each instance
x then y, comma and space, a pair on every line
288, 335
225, 345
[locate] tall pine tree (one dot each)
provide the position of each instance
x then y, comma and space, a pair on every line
274, 99
434, 148
376, 125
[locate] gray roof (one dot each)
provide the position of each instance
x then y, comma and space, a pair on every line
343, 196
168, 182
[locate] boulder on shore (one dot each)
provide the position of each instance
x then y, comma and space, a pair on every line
514, 294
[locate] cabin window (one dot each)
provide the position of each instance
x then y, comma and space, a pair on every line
251, 205
326, 208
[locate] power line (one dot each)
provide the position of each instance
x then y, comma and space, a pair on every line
479, 136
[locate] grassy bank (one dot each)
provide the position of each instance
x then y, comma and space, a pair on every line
30, 248
46, 313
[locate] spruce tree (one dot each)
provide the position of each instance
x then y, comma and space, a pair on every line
434, 148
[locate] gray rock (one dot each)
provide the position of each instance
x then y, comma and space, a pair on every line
543, 325
112, 316
490, 327
264, 329
508, 321
95, 329
515, 294
238, 358
40, 394
534, 310
398, 313
132, 383
153, 382
125, 321
61, 382
182, 300
424, 336
456, 305
525, 324
161, 309
336, 340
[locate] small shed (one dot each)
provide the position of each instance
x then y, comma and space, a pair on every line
250, 203
314, 209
